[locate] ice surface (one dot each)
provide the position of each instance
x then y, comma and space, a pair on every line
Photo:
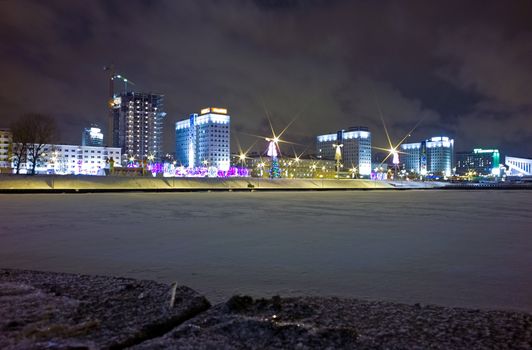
454, 248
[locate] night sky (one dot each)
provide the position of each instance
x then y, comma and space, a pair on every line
462, 67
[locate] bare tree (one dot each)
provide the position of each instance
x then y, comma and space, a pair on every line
21, 139
30, 134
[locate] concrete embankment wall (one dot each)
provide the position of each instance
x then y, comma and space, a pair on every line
86, 183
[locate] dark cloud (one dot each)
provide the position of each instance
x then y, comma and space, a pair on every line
462, 68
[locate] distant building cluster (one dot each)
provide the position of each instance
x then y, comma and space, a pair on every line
203, 148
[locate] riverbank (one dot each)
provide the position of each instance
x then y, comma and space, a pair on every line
76, 184
55, 310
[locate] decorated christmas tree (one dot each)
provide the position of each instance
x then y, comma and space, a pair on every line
275, 172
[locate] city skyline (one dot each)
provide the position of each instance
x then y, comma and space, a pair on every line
461, 68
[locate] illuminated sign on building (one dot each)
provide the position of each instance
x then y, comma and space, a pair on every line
213, 110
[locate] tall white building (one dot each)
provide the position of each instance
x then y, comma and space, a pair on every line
203, 140
74, 159
356, 148
6, 138
433, 156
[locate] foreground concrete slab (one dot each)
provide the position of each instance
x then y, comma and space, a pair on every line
62, 311
331, 323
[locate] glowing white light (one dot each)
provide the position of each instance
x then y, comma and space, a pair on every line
355, 135
182, 124
212, 118
395, 160
365, 169
191, 155
95, 133
272, 149
327, 138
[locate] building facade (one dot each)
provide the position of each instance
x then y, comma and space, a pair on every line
92, 136
518, 166
430, 157
204, 140
6, 140
75, 160
259, 166
355, 149
479, 161
138, 125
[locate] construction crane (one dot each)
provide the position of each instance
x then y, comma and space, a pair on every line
110, 104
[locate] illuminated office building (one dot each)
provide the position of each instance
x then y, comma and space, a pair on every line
92, 136
138, 125
203, 140
479, 161
356, 149
433, 156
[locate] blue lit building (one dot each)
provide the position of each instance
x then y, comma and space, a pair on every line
433, 156
203, 140
356, 149
92, 136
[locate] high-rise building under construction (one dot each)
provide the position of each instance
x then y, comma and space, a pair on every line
138, 125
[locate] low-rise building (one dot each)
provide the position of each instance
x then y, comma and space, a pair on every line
75, 159
259, 166
518, 166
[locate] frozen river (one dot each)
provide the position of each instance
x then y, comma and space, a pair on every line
456, 248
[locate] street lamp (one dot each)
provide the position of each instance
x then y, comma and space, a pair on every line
242, 158
353, 172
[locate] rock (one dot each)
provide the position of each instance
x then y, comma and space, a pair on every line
63, 311
332, 323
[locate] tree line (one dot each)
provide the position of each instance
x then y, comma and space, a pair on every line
31, 133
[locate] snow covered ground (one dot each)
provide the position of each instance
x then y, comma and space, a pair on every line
455, 248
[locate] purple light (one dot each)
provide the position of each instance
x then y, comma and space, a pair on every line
234, 171
171, 170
